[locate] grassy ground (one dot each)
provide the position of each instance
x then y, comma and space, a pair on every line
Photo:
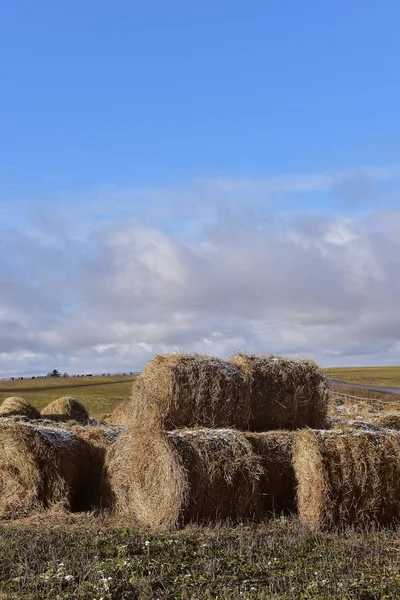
99, 394
379, 376
280, 560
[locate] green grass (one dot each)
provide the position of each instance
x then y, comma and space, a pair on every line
100, 395
278, 561
379, 376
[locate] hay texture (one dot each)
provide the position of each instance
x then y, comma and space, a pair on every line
40, 467
389, 420
278, 484
122, 413
283, 393
66, 409
190, 390
348, 478
15, 406
169, 479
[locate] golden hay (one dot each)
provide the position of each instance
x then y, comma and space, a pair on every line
122, 413
18, 406
348, 478
165, 480
278, 480
66, 409
40, 467
284, 394
189, 390
389, 420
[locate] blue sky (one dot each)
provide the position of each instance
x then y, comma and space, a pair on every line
192, 121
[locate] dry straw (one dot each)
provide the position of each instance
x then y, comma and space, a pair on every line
389, 420
122, 413
15, 406
165, 480
284, 394
255, 393
66, 409
348, 478
39, 467
189, 390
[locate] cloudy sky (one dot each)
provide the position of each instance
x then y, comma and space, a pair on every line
216, 178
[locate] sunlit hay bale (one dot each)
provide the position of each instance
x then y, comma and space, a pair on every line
348, 478
164, 480
284, 394
189, 390
66, 409
40, 467
97, 440
14, 406
122, 413
275, 449
390, 420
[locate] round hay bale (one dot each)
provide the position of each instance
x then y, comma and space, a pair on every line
278, 483
283, 393
122, 413
14, 406
190, 390
390, 420
164, 480
40, 467
348, 478
66, 409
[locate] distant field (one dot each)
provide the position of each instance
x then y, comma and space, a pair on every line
379, 376
99, 394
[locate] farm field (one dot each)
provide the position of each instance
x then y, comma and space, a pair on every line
277, 560
99, 395
375, 376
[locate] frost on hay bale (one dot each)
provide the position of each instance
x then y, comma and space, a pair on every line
164, 480
189, 390
18, 406
122, 413
278, 480
348, 478
40, 467
284, 394
66, 409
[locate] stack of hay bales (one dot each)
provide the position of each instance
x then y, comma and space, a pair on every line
197, 447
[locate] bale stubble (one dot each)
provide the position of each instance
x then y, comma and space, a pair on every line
348, 478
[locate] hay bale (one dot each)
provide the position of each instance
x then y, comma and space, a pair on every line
348, 478
189, 390
164, 480
40, 467
278, 483
122, 413
283, 393
387, 420
14, 406
66, 409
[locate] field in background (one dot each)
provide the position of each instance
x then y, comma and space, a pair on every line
100, 395
379, 376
